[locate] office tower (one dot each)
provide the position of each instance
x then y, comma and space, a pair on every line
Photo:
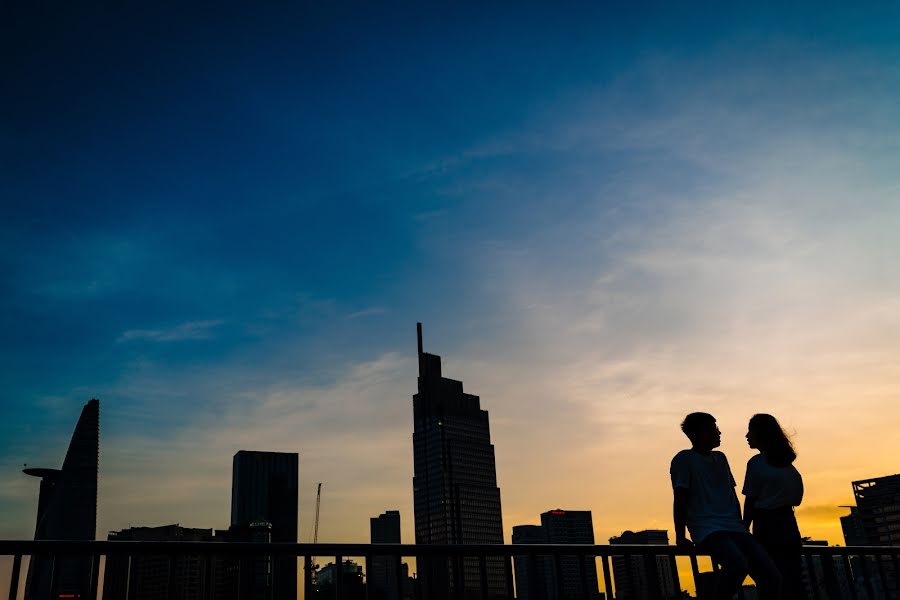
148, 578
264, 489
532, 571
347, 575
382, 576
570, 527
878, 509
243, 577
645, 577
852, 527
67, 510
878, 504
455, 493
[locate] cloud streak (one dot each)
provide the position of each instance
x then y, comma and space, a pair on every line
191, 330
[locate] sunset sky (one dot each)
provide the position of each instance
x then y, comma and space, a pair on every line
225, 224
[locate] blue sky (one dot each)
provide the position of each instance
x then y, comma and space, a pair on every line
225, 222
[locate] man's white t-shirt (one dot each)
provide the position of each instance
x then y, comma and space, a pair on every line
712, 504
774, 487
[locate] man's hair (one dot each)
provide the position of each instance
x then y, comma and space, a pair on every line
696, 423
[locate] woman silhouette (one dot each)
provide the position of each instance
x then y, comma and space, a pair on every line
773, 487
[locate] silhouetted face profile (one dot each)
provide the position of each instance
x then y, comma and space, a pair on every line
701, 429
711, 437
752, 437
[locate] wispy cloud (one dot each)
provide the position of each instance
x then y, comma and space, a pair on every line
367, 312
192, 330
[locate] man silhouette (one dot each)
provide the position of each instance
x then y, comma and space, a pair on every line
706, 503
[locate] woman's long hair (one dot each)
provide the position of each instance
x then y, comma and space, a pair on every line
772, 440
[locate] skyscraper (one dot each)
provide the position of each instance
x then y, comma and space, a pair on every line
383, 579
532, 572
264, 489
878, 510
645, 577
455, 493
878, 504
67, 510
569, 527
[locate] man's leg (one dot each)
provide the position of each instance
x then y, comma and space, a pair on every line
723, 549
761, 566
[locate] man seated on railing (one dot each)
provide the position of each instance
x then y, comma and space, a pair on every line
706, 503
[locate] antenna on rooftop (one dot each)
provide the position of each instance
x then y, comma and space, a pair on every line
419, 335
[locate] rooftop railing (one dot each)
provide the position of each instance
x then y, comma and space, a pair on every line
554, 572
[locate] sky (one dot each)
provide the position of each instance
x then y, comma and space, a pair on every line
225, 222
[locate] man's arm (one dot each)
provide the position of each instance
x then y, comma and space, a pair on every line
749, 510
679, 513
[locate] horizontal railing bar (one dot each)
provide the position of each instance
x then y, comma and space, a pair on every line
106, 547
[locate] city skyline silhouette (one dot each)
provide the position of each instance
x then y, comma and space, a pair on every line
222, 222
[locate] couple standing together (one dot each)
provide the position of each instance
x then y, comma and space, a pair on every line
706, 503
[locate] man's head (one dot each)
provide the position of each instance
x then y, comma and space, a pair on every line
702, 431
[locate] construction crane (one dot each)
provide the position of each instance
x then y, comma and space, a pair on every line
312, 559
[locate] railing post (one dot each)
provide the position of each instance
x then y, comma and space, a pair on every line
607, 579
849, 577
207, 576
172, 581
557, 568
14, 577
508, 569
398, 570
695, 571
95, 577
810, 573
307, 577
582, 572
879, 559
338, 576
482, 576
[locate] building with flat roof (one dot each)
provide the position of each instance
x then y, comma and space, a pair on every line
264, 489
645, 577
383, 578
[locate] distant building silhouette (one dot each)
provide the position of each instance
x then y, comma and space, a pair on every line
455, 493
350, 578
571, 527
244, 577
878, 512
383, 579
537, 577
852, 527
264, 489
149, 575
533, 580
67, 510
878, 504
644, 577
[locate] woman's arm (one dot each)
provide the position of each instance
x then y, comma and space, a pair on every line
749, 510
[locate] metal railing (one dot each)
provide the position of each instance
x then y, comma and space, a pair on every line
457, 572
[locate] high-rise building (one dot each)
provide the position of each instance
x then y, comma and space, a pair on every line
532, 577
147, 577
878, 510
264, 489
852, 527
455, 493
878, 503
570, 527
645, 577
383, 573
67, 510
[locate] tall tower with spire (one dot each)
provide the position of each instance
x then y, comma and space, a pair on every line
455, 493
67, 510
